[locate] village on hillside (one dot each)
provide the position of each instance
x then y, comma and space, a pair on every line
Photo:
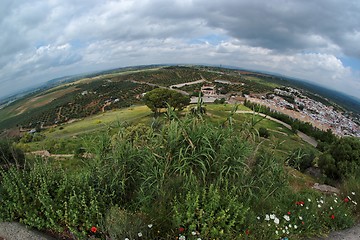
289, 101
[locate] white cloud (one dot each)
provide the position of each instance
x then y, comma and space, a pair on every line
48, 39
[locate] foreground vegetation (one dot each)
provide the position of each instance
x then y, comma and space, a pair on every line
187, 177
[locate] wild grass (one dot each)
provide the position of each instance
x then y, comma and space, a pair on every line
186, 177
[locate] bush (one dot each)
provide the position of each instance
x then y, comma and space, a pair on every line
122, 224
301, 159
209, 213
263, 132
10, 154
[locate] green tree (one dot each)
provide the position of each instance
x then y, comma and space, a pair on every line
342, 158
160, 97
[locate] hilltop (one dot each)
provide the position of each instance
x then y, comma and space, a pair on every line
90, 160
78, 97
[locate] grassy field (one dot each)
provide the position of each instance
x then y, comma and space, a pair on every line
32, 102
67, 137
100, 121
264, 82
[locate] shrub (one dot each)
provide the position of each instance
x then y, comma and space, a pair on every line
122, 224
10, 154
209, 213
301, 159
263, 132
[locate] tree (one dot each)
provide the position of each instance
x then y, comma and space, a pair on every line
160, 97
342, 158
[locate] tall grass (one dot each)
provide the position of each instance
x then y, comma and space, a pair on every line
208, 180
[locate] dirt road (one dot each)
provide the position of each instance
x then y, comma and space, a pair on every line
302, 135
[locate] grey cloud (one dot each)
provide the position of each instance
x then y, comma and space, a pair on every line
124, 32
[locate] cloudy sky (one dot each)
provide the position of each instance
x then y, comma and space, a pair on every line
314, 40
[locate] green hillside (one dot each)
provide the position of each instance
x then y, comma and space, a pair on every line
99, 169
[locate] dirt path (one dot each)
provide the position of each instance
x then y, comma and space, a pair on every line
302, 135
347, 234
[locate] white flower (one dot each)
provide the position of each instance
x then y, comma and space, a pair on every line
267, 218
276, 221
150, 226
321, 201
353, 193
198, 239
331, 208
335, 200
286, 217
140, 234
277, 232
126, 239
300, 217
286, 227
287, 232
295, 226
345, 215
349, 197
182, 237
272, 216
290, 226
319, 206
354, 202
309, 200
193, 233
307, 208
258, 218
283, 231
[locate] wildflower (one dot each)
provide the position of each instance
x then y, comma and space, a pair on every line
93, 229
181, 229
182, 237
321, 201
276, 221
258, 218
346, 200
301, 203
353, 193
309, 200
126, 239
267, 218
247, 231
331, 208
288, 213
295, 226
286, 217
290, 226
140, 234
272, 216
354, 202
319, 206
198, 239
335, 200
307, 208
277, 232
303, 223
332, 216
300, 217
193, 233
150, 226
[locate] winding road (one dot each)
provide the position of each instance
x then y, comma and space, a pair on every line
302, 135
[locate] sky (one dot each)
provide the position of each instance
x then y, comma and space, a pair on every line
314, 40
